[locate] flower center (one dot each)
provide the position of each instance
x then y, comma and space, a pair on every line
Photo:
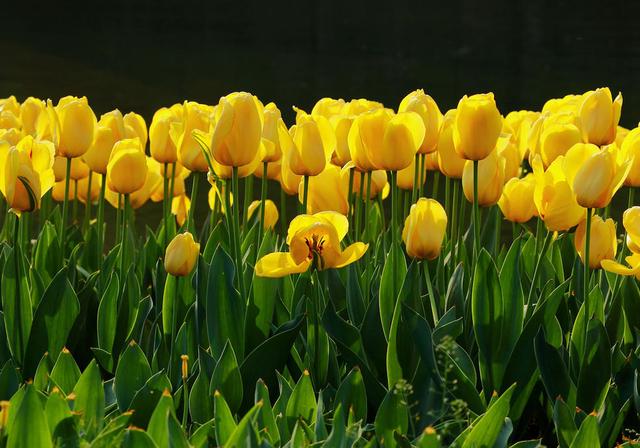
315, 245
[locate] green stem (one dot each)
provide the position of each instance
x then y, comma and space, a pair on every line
87, 204
172, 187
454, 224
436, 184
65, 206
174, 327
236, 224
350, 194
536, 271
103, 187
228, 216
74, 215
194, 199
263, 200
476, 213
585, 284
16, 257
166, 204
416, 178
248, 194
305, 193
366, 200
123, 243
432, 296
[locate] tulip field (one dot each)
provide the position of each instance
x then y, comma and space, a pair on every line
367, 275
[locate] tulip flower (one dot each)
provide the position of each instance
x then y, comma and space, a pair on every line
9, 120
73, 124
477, 126
599, 177
421, 103
90, 192
271, 214
631, 223
327, 191
567, 104
289, 181
603, 241
181, 255
516, 202
163, 149
328, 107
30, 110
26, 173
424, 229
127, 168
552, 135
490, 179
406, 176
360, 106
313, 240
11, 136
621, 134
79, 169
180, 205
630, 150
152, 183
59, 189
271, 149
11, 104
508, 150
518, 124
236, 137
598, 116
194, 117
341, 126
379, 183
273, 170
450, 163
314, 142
554, 197
135, 126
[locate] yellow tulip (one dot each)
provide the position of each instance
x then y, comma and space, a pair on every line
508, 150
598, 115
341, 126
621, 134
516, 202
178, 189
271, 150
180, 205
273, 171
289, 181
271, 214
127, 169
94, 191
360, 106
630, 150
599, 177
135, 126
11, 136
162, 146
314, 142
633, 268
181, 255
30, 110
26, 173
477, 126
603, 242
225, 172
313, 240
11, 104
405, 178
490, 179
519, 124
114, 121
552, 135
216, 195
194, 117
236, 138
73, 126
97, 157
139, 197
327, 191
366, 137
566, 104
328, 107
631, 223
57, 192
9, 120
554, 197
450, 163
79, 169
421, 103
379, 182
424, 229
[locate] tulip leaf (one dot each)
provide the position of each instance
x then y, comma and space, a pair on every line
302, 403
29, 428
587, 436
132, 373
227, 378
392, 416
16, 304
225, 424
108, 314
564, 423
47, 260
90, 399
146, 399
65, 372
393, 274
351, 394
595, 374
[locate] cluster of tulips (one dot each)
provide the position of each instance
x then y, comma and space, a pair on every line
558, 168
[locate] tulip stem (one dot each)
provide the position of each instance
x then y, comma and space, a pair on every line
65, 206
305, 193
263, 199
165, 204
87, 203
423, 176
18, 303
172, 185
74, 215
248, 194
631, 197
123, 244
585, 284
476, 213
359, 206
236, 226
191, 226
416, 178
536, 270
366, 200
103, 187
454, 224
283, 212
174, 326
432, 297
436, 183
349, 196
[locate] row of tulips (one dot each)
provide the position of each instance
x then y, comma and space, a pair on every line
390, 309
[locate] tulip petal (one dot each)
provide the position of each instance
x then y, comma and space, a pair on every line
617, 268
351, 254
280, 264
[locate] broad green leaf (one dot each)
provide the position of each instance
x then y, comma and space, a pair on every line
16, 304
90, 399
65, 372
393, 273
227, 378
108, 314
225, 424
587, 436
351, 394
302, 402
563, 419
392, 416
29, 428
132, 373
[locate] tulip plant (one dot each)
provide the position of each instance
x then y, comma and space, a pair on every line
442, 280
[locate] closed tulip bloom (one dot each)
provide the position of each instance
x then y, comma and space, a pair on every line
508, 150
422, 104
552, 135
630, 150
328, 107
450, 163
30, 110
163, 148
79, 169
11, 104
360, 106
94, 191
477, 126
490, 179
602, 244
599, 115
621, 134
270, 148
271, 214
180, 206
314, 142
327, 191
97, 157
341, 126
57, 192
405, 178
554, 196
141, 196
181, 255
11, 136
379, 182
74, 123
366, 137
273, 171
237, 134
289, 181
135, 126
9, 120
599, 177
26, 173
114, 121
127, 169
313, 240
178, 189
567, 104
403, 136
194, 117
516, 202
424, 229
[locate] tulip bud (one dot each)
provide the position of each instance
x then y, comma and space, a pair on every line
195, 117
360, 106
490, 179
450, 163
135, 126
341, 125
127, 168
631, 223
599, 115
507, 149
97, 157
74, 123
516, 202
424, 229
422, 104
163, 149
328, 107
180, 206
181, 255
270, 212
271, 150
602, 244
30, 110
477, 126
599, 177
314, 142
403, 135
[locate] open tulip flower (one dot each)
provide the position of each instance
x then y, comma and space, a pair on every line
314, 240
631, 223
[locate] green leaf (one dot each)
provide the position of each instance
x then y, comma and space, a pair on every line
29, 428
351, 394
392, 416
227, 378
200, 403
9, 380
393, 273
16, 304
587, 436
56, 409
225, 424
225, 310
108, 314
137, 438
46, 259
244, 435
53, 320
302, 402
266, 419
132, 373
553, 371
565, 425
65, 372
164, 428
90, 399
146, 399
595, 374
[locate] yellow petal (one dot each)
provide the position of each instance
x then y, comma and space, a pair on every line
351, 254
279, 264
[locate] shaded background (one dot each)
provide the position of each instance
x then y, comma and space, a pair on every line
143, 54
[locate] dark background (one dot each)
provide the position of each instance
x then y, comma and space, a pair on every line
143, 54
